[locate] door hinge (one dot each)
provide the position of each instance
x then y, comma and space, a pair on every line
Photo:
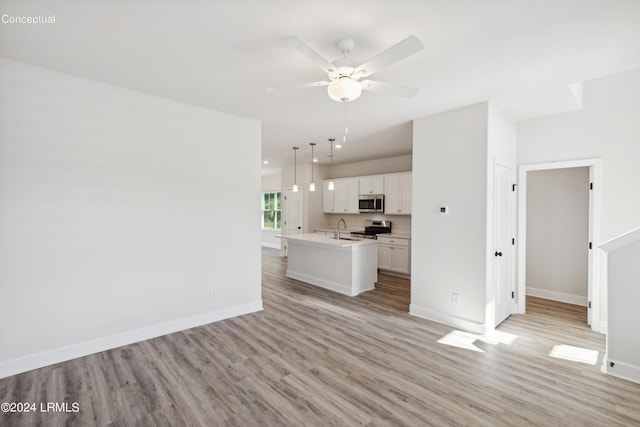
513, 187
590, 245
591, 186
513, 240
589, 304
513, 294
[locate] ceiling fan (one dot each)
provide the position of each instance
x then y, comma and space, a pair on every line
347, 80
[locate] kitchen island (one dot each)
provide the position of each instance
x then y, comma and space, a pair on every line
347, 266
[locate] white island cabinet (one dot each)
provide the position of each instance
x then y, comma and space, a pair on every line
348, 267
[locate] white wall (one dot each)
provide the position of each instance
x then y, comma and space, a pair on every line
558, 234
449, 251
607, 128
501, 150
271, 183
117, 216
623, 341
372, 167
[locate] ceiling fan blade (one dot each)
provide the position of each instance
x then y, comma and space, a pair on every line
395, 53
393, 89
299, 86
308, 52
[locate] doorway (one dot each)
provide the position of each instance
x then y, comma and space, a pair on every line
293, 204
593, 234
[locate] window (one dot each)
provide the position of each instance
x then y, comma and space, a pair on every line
271, 210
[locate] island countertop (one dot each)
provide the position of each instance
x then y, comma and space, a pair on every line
323, 239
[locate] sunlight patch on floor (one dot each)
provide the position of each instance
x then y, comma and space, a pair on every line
499, 337
466, 340
574, 354
461, 340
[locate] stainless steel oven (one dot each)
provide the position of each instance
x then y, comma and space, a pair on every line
371, 203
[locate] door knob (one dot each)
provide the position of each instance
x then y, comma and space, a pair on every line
498, 253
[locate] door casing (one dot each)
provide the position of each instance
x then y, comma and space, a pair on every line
595, 282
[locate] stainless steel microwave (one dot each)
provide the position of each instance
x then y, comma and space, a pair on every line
371, 203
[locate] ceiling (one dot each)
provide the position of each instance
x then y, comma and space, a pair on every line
223, 54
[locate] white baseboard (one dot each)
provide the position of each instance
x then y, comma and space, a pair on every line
271, 245
557, 296
448, 319
623, 370
326, 284
62, 354
602, 325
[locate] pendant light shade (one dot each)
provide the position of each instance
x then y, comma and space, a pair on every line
312, 185
295, 169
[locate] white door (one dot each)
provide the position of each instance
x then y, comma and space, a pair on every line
502, 241
292, 217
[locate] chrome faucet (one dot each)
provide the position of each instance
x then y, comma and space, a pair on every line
345, 227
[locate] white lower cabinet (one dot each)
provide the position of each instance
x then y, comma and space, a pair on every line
393, 254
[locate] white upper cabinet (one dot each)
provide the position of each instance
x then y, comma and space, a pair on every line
371, 184
397, 194
327, 198
343, 199
396, 188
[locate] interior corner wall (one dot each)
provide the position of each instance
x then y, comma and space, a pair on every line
448, 251
607, 128
118, 221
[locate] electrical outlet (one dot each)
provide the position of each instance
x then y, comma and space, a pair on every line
214, 294
456, 298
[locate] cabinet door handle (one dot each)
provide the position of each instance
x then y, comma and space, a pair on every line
498, 253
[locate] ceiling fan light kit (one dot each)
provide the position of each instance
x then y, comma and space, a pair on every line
344, 83
344, 89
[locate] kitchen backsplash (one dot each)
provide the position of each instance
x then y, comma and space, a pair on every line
400, 224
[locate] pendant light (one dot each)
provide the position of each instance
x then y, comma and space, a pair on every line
295, 169
331, 186
312, 185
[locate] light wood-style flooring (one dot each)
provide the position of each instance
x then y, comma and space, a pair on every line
317, 358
